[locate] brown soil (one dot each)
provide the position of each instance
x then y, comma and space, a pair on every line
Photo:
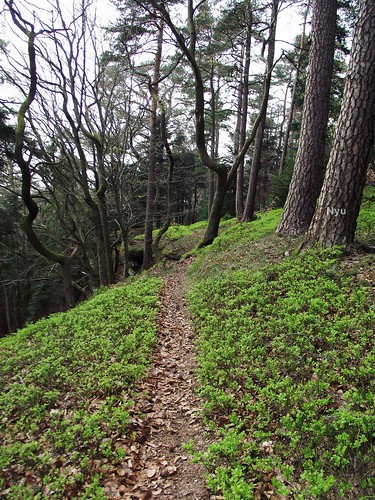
167, 414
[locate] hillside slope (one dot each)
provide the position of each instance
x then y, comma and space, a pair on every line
286, 359
285, 367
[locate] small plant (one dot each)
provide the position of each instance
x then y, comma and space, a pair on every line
285, 366
65, 384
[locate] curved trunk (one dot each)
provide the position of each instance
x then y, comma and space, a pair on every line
33, 210
212, 229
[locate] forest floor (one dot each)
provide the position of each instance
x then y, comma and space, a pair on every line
159, 466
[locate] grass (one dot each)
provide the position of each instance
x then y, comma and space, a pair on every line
286, 359
66, 392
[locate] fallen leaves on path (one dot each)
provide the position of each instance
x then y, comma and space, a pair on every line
155, 464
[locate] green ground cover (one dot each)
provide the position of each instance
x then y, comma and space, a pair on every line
66, 391
286, 359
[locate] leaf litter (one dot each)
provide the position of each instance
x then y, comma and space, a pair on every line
156, 464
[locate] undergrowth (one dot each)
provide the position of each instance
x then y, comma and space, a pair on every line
66, 384
286, 361
243, 245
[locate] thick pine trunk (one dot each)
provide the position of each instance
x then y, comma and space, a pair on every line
307, 176
334, 221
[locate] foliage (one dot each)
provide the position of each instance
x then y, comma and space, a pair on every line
279, 185
366, 219
241, 246
66, 385
285, 367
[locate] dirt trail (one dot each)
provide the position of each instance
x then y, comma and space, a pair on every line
157, 466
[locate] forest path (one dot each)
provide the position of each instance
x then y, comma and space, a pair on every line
158, 466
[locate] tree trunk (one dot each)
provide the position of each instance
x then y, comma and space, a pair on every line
249, 209
66, 271
168, 219
334, 221
244, 101
8, 310
216, 210
306, 181
248, 213
154, 140
236, 140
103, 217
293, 97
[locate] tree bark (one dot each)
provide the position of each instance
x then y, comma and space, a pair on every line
249, 209
154, 140
334, 221
243, 108
307, 176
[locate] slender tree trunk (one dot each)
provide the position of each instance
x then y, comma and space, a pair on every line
216, 209
66, 269
249, 209
293, 97
243, 109
307, 176
168, 219
8, 310
103, 214
211, 173
285, 119
154, 144
334, 221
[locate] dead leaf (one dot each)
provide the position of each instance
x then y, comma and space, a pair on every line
151, 473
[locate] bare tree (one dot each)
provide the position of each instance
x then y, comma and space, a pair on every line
25, 164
